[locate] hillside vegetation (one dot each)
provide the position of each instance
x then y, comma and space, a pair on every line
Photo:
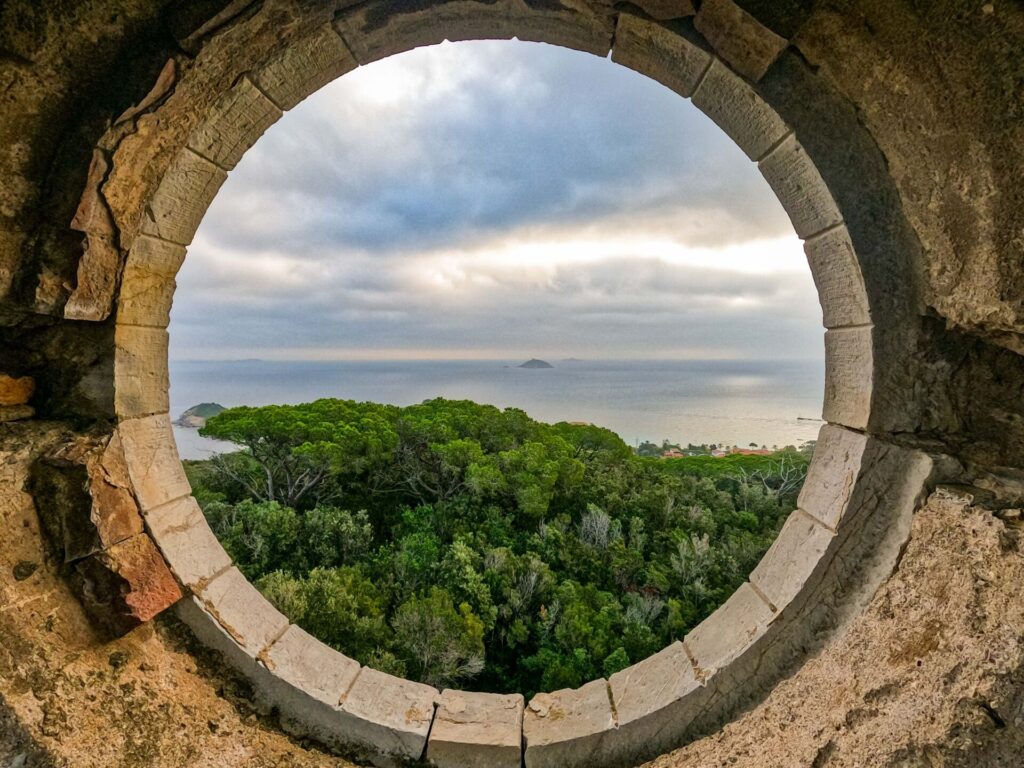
459, 544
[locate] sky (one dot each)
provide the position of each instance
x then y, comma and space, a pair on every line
495, 200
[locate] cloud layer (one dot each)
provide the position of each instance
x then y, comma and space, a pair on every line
495, 199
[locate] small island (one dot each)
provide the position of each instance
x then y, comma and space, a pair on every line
535, 363
196, 416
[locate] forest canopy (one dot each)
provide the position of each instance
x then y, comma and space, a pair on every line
460, 544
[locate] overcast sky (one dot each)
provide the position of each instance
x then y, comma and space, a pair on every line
496, 200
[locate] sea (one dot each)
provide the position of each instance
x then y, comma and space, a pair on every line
731, 402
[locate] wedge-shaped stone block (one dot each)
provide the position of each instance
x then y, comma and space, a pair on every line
305, 67
242, 611
666, 9
659, 53
849, 375
837, 275
181, 200
568, 727
576, 28
180, 530
793, 176
147, 287
382, 28
390, 717
730, 631
749, 46
739, 111
833, 473
209, 631
153, 464
317, 670
655, 702
477, 730
140, 371
792, 560
234, 124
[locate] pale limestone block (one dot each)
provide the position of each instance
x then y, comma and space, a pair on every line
180, 530
659, 53
793, 176
739, 111
140, 371
568, 727
383, 28
303, 68
791, 561
242, 611
147, 287
153, 463
574, 28
389, 716
313, 668
730, 631
181, 200
834, 470
749, 46
837, 275
233, 124
849, 375
655, 702
209, 631
477, 730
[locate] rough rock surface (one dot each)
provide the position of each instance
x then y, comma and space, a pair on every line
932, 674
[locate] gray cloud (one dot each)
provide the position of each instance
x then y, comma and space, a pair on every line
327, 235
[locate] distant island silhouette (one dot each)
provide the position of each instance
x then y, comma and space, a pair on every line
535, 363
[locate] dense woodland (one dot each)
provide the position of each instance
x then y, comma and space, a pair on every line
459, 544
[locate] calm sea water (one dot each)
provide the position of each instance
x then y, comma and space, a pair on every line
732, 402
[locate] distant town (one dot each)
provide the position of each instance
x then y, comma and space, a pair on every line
668, 450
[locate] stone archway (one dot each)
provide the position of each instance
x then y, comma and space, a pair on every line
895, 426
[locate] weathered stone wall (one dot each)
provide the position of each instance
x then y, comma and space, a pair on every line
894, 138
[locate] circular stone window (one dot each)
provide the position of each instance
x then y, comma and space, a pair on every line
852, 515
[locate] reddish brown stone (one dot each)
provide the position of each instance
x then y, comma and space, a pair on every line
126, 585
16, 390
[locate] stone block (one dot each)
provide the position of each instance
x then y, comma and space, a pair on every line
305, 67
16, 412
382, 28
837, 275
126, 585
98, 269
749, 46
477, 730
849, 376
234, 124
793, 176
666, 9
180, 529
312, 668
731, 630
655, 702
140, 371
16, 390
147, 287
790, 563
832, 475
208, 630
389, 717
659, 53
83, 494
568, 727
569, 27
242, 611
153, 464
739, 111
181, 200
